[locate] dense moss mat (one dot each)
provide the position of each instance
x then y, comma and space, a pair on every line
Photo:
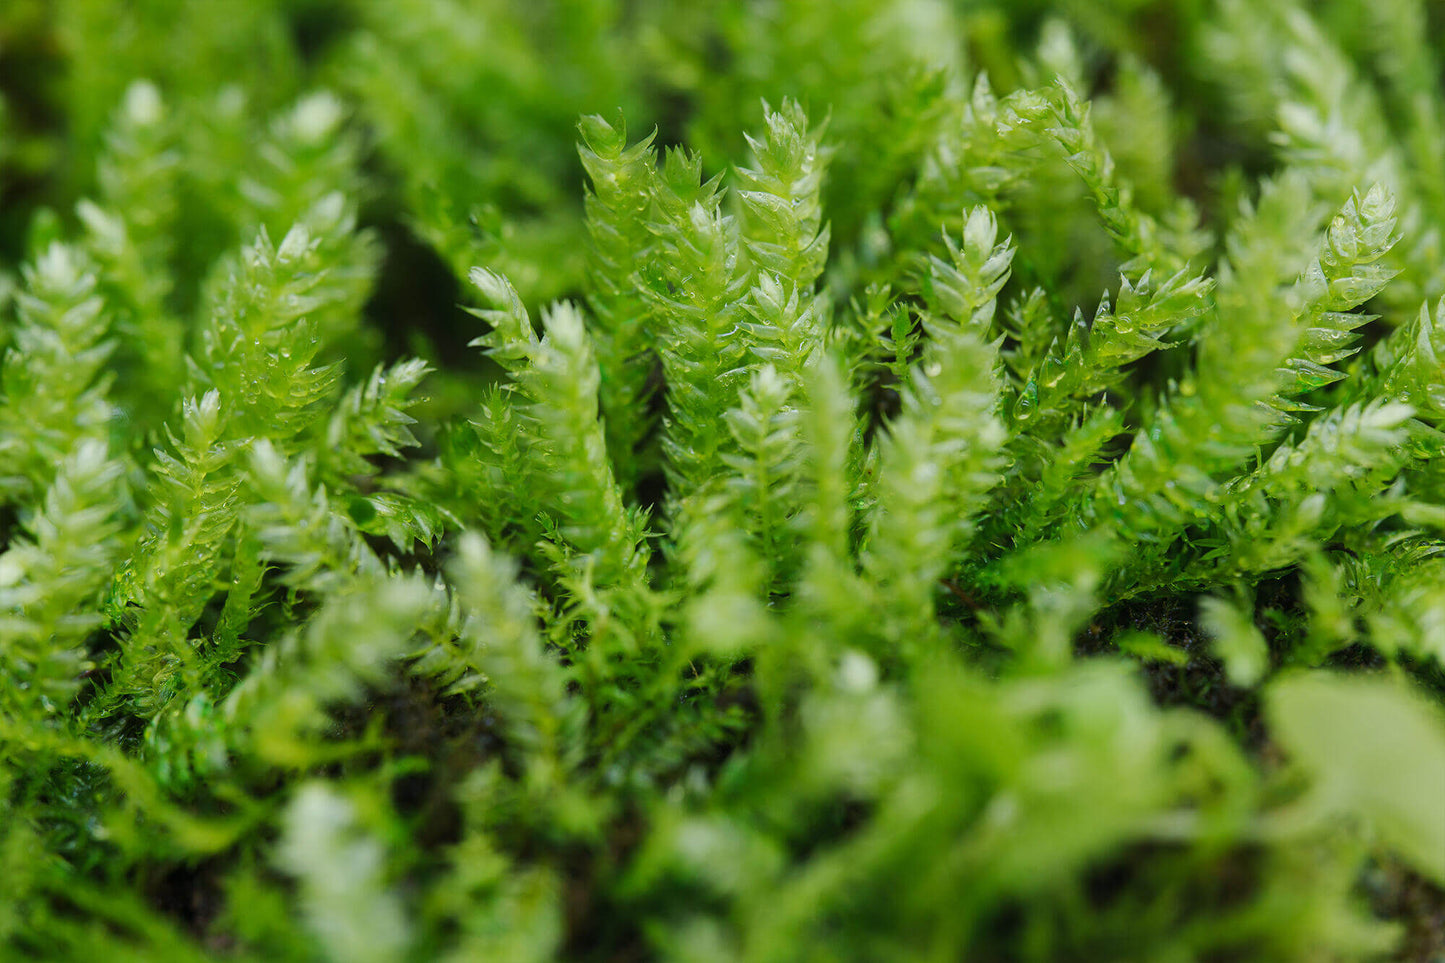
840, 480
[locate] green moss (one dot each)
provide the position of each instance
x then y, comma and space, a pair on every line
898, 511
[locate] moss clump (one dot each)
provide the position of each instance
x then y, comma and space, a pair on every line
812, 563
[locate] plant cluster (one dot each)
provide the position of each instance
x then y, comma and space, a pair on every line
979, 495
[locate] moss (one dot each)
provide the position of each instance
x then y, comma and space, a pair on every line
967, 484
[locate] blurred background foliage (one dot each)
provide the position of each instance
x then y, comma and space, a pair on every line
465, 111
463, 115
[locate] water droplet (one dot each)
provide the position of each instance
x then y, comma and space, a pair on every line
1027, 403
1053, 372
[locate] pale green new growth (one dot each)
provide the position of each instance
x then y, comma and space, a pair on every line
53, 378
51, 577
941, 454
559, 428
